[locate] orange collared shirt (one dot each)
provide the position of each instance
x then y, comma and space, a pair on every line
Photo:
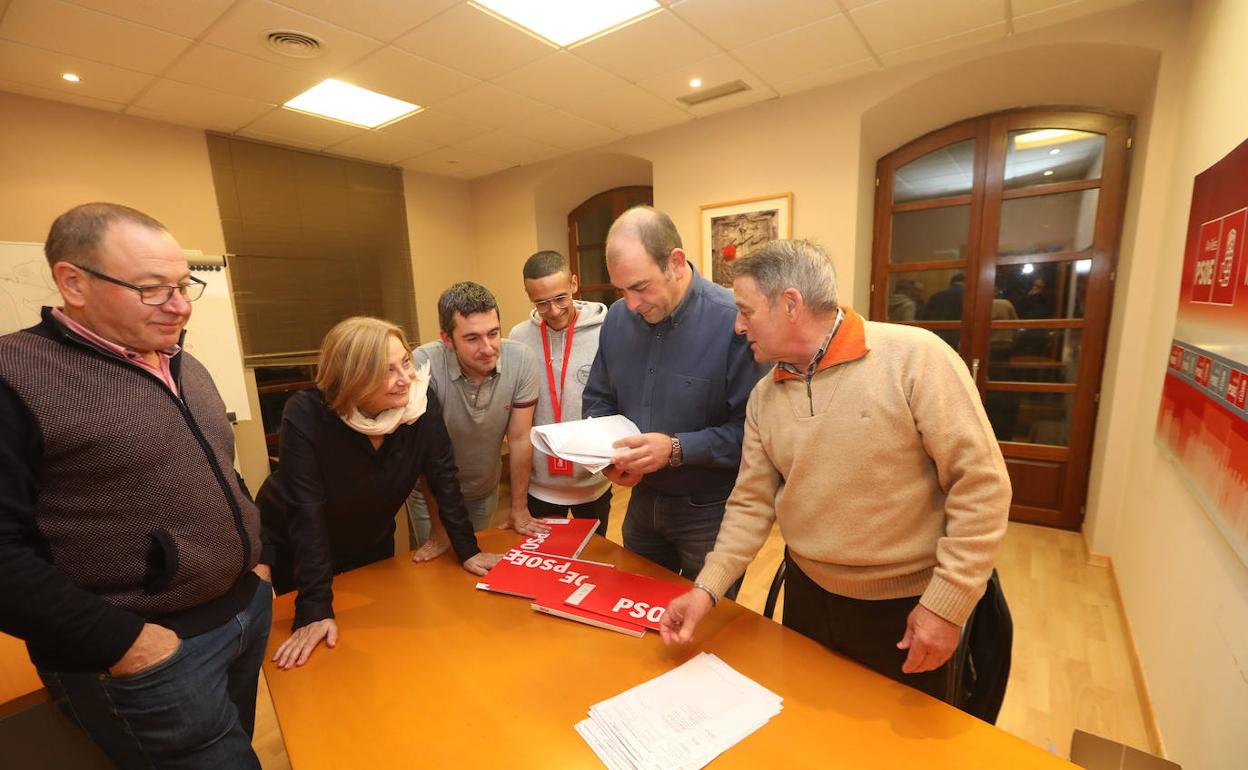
849, 343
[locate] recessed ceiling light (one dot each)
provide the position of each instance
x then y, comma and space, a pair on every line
564, 22
346, 103
1045, 136
1049, 172
71, 77
1055, 150
1028, 269
695, 83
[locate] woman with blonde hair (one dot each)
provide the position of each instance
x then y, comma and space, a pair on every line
351, 451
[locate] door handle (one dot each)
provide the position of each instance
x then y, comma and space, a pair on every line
975, 369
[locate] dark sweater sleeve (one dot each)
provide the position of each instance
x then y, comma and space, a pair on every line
38, 604
440, 473
302, 489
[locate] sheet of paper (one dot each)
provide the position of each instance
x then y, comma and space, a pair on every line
587, 442
680, 720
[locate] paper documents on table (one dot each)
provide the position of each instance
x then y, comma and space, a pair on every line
680, 720
586, 442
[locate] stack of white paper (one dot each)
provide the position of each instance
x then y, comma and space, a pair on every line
680, 720
586, 442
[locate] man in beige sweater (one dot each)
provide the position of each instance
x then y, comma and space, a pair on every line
869, 444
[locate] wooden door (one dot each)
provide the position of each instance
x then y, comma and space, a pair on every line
588, 224
1000, 234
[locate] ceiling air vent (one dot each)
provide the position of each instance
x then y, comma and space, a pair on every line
704, 95
297, 45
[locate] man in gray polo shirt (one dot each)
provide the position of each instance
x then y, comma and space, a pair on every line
488, 389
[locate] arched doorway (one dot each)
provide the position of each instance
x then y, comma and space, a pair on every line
587, 238
1000, 234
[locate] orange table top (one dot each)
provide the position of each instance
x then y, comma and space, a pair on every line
431, 672
17, 673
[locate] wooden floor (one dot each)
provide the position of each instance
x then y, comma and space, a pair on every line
1071, 655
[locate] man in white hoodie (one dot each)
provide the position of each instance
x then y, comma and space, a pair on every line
563, 334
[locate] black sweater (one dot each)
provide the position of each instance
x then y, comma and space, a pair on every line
330, 506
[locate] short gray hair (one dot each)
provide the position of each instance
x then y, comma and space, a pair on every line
655, 229
77, 234
792, 264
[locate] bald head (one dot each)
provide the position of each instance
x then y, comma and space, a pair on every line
654, 229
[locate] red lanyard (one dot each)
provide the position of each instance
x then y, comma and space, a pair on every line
550, 373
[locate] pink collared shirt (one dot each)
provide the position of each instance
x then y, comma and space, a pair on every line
161, 368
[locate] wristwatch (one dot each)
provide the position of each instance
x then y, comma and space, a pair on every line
678, 454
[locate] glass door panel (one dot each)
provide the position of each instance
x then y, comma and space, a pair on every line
1044, 290
931, 235
1044, 224
1050, 155
941, 173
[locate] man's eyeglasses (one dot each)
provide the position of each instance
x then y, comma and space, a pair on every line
558, 303
154, 294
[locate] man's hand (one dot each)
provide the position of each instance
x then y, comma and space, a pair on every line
521, 521
482, 562
296, 650
264, 572
153, 645
682, 616
434, 547
642, 454
930, 639
620, 476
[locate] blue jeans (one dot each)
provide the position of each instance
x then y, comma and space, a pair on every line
479, 514
196, 709
673, 531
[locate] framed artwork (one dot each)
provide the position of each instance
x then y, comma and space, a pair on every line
1202, 423
735, 228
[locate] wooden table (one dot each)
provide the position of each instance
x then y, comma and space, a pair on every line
17, 673
430, 672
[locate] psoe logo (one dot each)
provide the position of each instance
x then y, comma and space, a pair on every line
1219, 259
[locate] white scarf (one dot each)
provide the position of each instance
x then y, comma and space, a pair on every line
388, 421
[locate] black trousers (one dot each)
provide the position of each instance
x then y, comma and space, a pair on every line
599, 509
861, 629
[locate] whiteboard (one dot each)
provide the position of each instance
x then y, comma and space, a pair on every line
26, 286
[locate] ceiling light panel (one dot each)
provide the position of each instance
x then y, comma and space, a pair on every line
350, 104
564, 22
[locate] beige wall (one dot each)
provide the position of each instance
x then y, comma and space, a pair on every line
54, 156
1185, 591
526, 209
439, 231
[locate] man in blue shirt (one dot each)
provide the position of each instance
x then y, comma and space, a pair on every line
669, 360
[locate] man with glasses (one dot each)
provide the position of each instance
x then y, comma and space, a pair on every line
563, 335
129, 547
